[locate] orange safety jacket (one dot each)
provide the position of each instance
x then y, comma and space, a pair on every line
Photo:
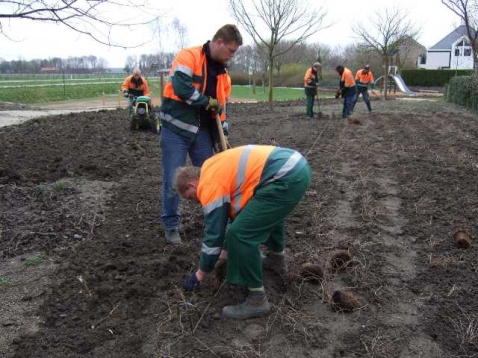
183, 95
227, 183
132, 88
364, 79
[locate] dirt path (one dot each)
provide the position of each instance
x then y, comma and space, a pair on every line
80, 201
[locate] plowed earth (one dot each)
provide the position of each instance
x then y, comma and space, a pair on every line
85, 272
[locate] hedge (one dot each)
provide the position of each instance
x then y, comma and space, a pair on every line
431, 78
463, 90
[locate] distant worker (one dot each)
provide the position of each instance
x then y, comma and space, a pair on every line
134, 86
257, 186
346, 90
192, 98
311, 83
363, 79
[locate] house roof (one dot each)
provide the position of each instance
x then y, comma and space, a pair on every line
447, 42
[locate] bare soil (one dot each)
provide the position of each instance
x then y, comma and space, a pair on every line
85, 271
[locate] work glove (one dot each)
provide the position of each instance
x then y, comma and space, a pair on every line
225, 128
213, 105
191, 282
338, 93
220, 269
125, 94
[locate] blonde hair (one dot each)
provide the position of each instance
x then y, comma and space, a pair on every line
183, 176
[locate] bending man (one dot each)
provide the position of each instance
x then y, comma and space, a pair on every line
257, 187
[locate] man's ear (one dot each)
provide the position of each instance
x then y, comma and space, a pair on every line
192, 184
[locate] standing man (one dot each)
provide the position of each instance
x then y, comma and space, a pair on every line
134, 86
194, 95
363, 79
346, 89
256, 186
311, 83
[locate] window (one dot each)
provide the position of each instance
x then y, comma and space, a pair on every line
457, 52
467, 52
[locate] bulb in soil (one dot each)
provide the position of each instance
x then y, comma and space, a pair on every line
343, 300
462, 239
340, 259
311, 272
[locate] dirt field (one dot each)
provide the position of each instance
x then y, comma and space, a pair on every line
84, 271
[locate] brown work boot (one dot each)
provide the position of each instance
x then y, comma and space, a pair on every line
255, 305
275, 262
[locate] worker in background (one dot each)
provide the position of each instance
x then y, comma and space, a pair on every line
311, 84
347, 90
134, 86
256, 186
194, 95
364, 79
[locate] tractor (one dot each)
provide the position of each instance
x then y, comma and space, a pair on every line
143, 115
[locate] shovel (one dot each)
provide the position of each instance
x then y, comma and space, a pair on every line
222, 138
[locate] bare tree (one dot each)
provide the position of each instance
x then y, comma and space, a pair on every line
467, 11
181, 32
92, 18
388, 29
283, 19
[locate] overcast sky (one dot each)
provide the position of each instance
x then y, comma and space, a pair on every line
203, 17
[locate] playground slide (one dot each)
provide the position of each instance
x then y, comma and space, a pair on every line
401, 85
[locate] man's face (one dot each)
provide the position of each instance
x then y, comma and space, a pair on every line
224, 52
191, 193
365, 70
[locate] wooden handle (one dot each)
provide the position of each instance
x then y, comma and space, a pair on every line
222, 139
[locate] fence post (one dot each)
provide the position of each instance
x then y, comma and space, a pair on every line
103, 99
119, 98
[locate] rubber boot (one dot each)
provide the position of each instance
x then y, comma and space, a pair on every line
275, 262
255, 305
172, 237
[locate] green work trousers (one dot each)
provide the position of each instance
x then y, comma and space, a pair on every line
261, 221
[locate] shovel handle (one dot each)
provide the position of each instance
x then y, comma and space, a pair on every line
222, 138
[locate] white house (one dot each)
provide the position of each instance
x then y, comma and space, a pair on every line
451, 52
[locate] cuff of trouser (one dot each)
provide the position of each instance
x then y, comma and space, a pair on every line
207, 262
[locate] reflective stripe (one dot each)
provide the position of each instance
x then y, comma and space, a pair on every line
241, 174
210, 250
183, 69
187, 127
216, 204
287, 167
194, 97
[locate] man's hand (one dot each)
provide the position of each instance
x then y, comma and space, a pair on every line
213, 105
125, 94
338, 93
225, 128
191, 282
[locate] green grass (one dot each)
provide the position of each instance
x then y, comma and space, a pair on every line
5, 281
35, 260
35, 91
279, 93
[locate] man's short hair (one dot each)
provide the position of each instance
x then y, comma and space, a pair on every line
136, 71
366, 66
183, 176
229, 33
317, 65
